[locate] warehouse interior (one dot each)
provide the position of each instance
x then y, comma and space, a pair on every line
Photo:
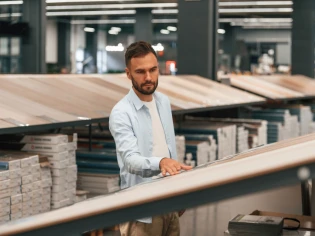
239, 75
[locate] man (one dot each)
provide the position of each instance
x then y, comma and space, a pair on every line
141, 124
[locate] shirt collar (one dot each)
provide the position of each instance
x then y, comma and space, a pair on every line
133, 97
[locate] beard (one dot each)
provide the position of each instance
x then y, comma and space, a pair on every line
142, 87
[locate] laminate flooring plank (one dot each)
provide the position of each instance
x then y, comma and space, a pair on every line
46, 96
248, 97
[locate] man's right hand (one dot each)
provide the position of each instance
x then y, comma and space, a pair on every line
168, 165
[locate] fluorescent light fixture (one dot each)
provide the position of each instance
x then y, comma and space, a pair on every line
255, 10
267, 27
261, 24
113, 32
171, 28
256, 3
11, 2
221, 31
89, 29
165, 11
164, 31
113, 6
117, 29
87, 22
118, 48
158, 48
5, 15
157, 21
90, 13
266, 20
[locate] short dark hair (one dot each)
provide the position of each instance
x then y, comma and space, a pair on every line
138, 49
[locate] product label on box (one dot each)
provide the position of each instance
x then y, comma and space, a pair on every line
45, 148
56, 156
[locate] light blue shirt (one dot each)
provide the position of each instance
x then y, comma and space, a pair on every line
131, 126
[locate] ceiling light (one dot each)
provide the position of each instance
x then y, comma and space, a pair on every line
80, 13
165, 11
118, 48
117, 29
4, 15
267, 27
112, 6
88, 29
256, 3
157, 21
171, 28
159, 47
164, 31
255, 10
86, 22
221, 31
266, 20
11, 2
113, 32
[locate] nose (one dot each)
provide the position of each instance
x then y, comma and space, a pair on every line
148, 76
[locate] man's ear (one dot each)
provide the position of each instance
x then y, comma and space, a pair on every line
128, 73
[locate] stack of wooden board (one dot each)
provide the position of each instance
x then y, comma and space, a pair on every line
98, 184
281, 124
28, 100
59, 149
263, 87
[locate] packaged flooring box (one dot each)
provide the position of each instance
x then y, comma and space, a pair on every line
37, 193
59, 164
16, 216
4, 184
57, 197
35, 168
47, 183
5, 211
15, 173
26, 159
15, 199
4, 202
27, 179
4, 175
34, 147
27, 196
59, 172
36, 139
27, 188
15, 190
60, 156
26, 171
45, 173
15, 182
4, 219
307, 222
5, 193
16, 208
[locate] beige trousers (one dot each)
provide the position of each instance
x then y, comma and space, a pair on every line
164, 225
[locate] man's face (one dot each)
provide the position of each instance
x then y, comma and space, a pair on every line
143, 72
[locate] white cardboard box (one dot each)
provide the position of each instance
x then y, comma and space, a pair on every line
16, 208
45, 173
60, 156
37, 176
60, 204
71, 193
46, 207
15, 182
72, 146
80, 198
59, 164
27, 196
72, 160
59, 180
34, 160
45, 139
4, 184
37, 193
72, 177
11, 163
26, 171
5, 202
27, 205
27, 162
46, 191
36, 168
15, 190
4, 175
27, 212
27, 188
5, 193
15, 173
16, 216
72, 170
4, 219
5, 211
59, 188
39, 148
57, 197
37, 201
72, 154
72, 185
47, 182
46, 198
37, 185
27, 179
59, 172
15, 199
37, 210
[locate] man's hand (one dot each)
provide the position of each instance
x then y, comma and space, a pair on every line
168, 165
